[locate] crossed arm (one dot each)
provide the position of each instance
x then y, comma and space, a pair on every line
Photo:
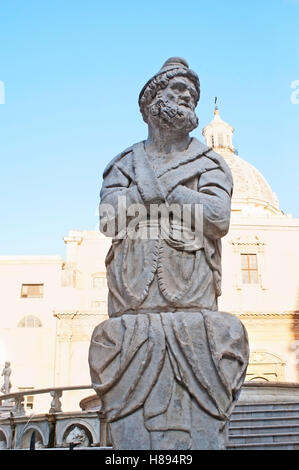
214, 194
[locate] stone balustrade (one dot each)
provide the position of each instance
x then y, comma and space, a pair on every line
54, 429
88, 428
56, 393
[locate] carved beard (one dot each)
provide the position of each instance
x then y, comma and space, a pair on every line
171, 116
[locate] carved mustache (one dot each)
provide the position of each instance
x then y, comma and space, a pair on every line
163, 108
170, 114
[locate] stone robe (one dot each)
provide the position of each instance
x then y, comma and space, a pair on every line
167, 366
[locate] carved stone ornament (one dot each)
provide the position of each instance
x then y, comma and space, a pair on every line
6, 373
78, 437
167, 365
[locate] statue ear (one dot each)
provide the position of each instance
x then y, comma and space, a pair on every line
154, 108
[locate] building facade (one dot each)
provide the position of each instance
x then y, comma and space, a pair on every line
260, 259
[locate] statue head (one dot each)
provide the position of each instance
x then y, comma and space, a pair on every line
169, 98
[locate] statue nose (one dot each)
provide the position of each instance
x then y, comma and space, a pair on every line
186, 97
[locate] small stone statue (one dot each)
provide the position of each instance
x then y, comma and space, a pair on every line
167, 365
78, 437
6, 373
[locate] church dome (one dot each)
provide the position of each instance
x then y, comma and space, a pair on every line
250, 187
249, 183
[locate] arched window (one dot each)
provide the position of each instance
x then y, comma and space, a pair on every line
265, 366
30, 321
258, 379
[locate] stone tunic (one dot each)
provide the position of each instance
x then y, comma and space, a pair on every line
161, 274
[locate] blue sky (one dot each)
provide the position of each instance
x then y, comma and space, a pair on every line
73, 71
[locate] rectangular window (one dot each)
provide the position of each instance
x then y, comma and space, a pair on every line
29, 402
99, 282
249, 268
32, 290
28, 399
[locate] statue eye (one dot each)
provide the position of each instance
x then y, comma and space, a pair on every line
193, 93
179, 86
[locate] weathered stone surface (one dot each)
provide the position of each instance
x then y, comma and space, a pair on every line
167, 365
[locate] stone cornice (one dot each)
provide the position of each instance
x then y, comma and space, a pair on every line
287, 314
58, 260
290, 385
75, 313
77, 240
271, 223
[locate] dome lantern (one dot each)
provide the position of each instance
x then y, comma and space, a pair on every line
219, 134
252, 193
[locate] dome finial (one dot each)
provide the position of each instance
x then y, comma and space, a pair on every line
216, 107
219, 134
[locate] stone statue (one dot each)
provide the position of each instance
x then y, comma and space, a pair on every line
167, 366
77, 436
6, 373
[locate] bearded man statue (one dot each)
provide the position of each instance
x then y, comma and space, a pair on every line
167, 366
